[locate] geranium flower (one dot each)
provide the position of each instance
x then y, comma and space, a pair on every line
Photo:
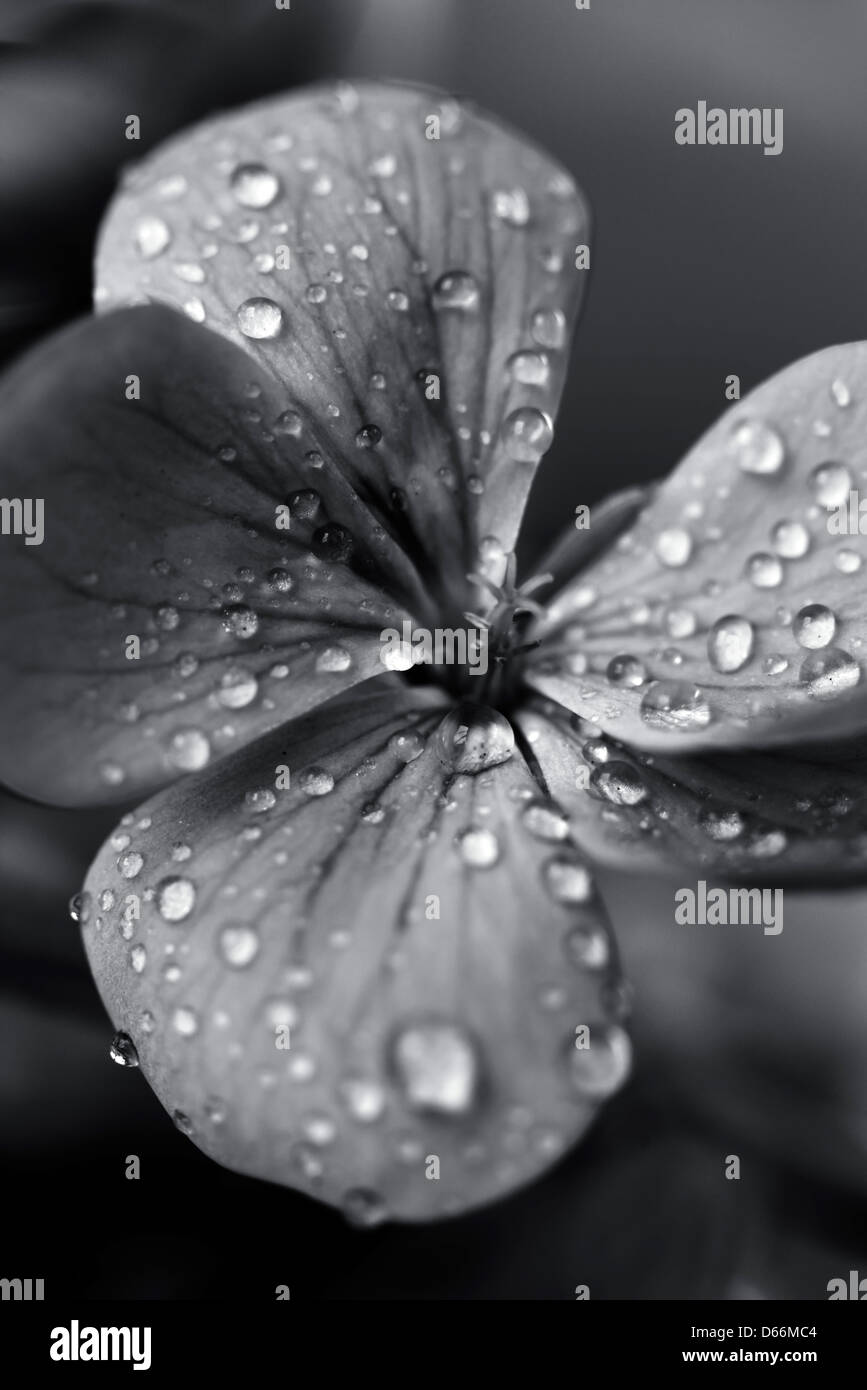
353, 937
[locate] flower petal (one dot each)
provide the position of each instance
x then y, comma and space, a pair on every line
161, 523
427, 944
751, 816
732, 614
423, 318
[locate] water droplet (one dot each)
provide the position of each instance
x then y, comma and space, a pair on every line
138, 958
847, 561
186, 1022
183, 1123
189, 750
240, 620
586, 946
239, 946
829, 672
568, 881
238, 689
80, 906
363, 1207
456, 290
437, 1066
722, 826
548, 328
791, 539
130, 864
600, 1069
316, 294
152, 236
673, 547
123, 1050
363, 1098
474, 737
619, 783
259, 800
176, 898
775, 664
830, 484
289, 422
332, 542
511, 206
545, 821
626, 671
730, 643
675, 705
527, 433
680, 623
368, 436
383, 167
406, 746
260, 318
758, 448
254, 186
814, 626
840, 392
764, 571
333, 659
316, 781
479, 848
529, 368
398, 300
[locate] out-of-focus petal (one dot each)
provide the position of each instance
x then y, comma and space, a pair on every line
423, 317
756, 816
733, 613
371, 985
162, 521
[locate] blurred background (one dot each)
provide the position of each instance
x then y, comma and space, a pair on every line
705, 263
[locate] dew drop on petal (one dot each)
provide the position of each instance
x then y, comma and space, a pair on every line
545, 821
260, 799
474, 737
529, 368
600, 1069
722, 826
680, 623
123, 1050
840, 392
814, 626
527, 433
260, 318
316, 781
791, 539
240, 620
189, 750
239, 946
332, 542
185, 1021
586, 945
456, 290
626, 671
406, 746
333, 659
847, 561
130, 864
363, 1207
673, 547
238, 689
138, 958
548, 328
511, 206
758, 448
152, 236
254, 186
79, 907
479, 848
678, 706
764, 571
363, 1098
568, 881
176, 898
829, 672
437, 1066
830, 484
619, 783
730, 643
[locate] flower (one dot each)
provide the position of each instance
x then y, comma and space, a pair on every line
353, 938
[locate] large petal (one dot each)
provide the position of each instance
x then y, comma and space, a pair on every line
733, 613
427, 941
749, 816
162, 522
423, 320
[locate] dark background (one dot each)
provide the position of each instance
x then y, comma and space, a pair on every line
706, 262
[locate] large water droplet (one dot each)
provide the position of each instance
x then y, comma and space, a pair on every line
79, 907
254, 186
333, 660
619, 783
722, 826
240, 620
237, 689
130, 864
758, 448
675, 705
586, 945
527, 433
479, 848
830, 672
567, 880
626, 671
189, 750
598, 1070
456, 290
730, 643
316, 781
152, 236
332, 542
176, 898
260, 318
239, 946
673, 547
548, 328
438, 1068
511, 206
529, 368
545, 821
830, 484
814, 626
474, 737
123, 1050
764, 571
791, 539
